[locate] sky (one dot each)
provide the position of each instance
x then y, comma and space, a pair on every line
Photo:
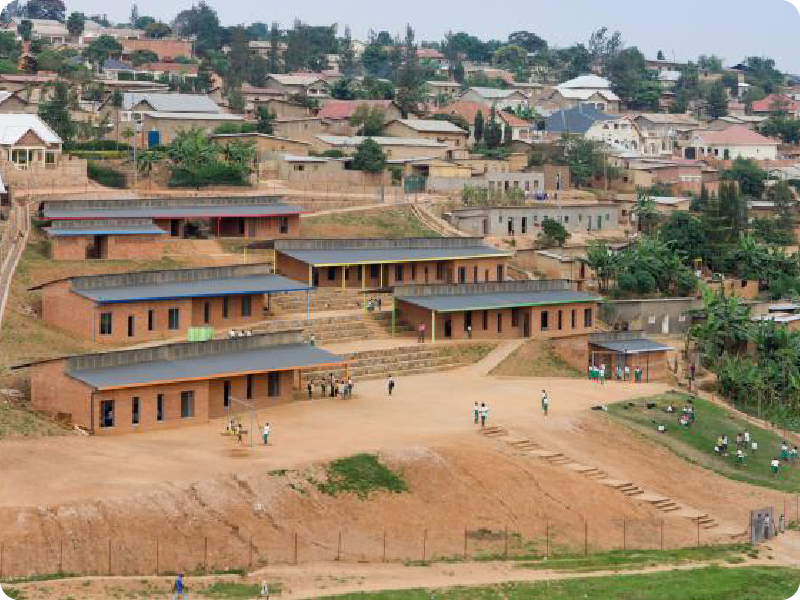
684, 29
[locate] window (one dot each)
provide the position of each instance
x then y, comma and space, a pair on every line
566, 218
500, 273
273, 384
475, 275
515, 317
331, 273
398, 272
225, 307
283, 224
206, 312
499, 322
374, 271
106, 413
486, 275
247, 306
524, 225
151, 320
160, 407
439, 271
187, 405
249, 387
413, 272
226, 393
174, 319
560, 320
468, 320
544, 320
462, 275
485, 320
574, 319
135, 410
105, 323
587, 317
131, 322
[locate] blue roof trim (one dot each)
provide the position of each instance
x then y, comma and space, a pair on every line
209, 295
78, 232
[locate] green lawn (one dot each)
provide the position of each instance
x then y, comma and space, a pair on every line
711, 583
696, 443
396, 222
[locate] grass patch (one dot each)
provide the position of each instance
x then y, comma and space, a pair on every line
361, 474
711, 583
385, 222
468, 353
696, 443
536, 359
227, 590
40, 577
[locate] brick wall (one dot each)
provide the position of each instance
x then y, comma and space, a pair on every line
234, 316
291, 267
135, 247
67, 311
53, 392
260, 396
69, 247
574, 350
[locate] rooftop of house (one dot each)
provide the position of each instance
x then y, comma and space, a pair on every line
585, 94
344, 109
669, 119
193, 116
775, 102
466, 110
39, 78
304, 79
593, 82
578, 119
494, 93
256, 134
170, 67
430, 126
429, 53
512, 120
669, 75
347, 141
14, 126
735, 135
171, 103
89, 226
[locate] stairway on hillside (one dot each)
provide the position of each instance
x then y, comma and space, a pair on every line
340, 328
323, 299
406, 360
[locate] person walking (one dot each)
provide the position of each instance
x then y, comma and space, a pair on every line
391, 385
179, 588
265, 433
484, 412
476, 413
774, 466
313, 340
350, 386
545, 402
239, 430
421, 333
627, 373
784, 451
310, 390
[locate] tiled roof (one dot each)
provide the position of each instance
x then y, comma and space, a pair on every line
769, 103
344, 109
735, 135
428, 53
512, 120
464, 109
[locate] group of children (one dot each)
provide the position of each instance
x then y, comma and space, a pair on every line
745, 442
337, 387
481, 412
598, 373
236, 428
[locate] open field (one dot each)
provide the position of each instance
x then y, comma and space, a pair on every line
696, 443
379, 223
536, 359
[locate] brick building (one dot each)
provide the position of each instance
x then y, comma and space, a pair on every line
174, 385
381, 263
632, 349
261, 217
543, 309
148, 305
113, 239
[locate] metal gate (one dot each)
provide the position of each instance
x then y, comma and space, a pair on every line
414, 184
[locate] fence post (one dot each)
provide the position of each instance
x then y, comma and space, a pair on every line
465, 543
295, 547
662, 534
250, 553
383, 558
157, 557
698, 533
2, 546
624, 534
547, 538
205, 554
109, 557
585, 537
339, 547
61, 555
424, 544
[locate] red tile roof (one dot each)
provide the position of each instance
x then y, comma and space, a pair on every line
344, 109
736, 135
466, 110
429, 53
769, 103
512, 120
170, 67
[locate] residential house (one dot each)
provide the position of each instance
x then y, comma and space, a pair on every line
339, 113
33, 89
173, 71
305, 129
617, 131
167, 49
27, 140
446, 89
586, 89
527, 221
661, 131
52, 31
521, 130
393, 147
310, 84
10, 102
443, 132
281, 109
776, 103
680, 175
467, 111
254, 97
736, 141
749, 121
500, 99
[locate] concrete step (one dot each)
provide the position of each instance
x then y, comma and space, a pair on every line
670, 509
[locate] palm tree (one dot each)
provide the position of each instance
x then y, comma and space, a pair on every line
645, 211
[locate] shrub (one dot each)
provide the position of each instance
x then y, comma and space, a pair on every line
105, 175
97, 145
212, 174
361, 474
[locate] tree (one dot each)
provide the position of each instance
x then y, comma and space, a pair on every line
274, 48
266, 121
53, 10
511, 56
553, 234
197, 161
585, 160
369, 157
760, 72
717, 100
683, 231
347, 62
748, 175
25, 30
258, 73
604, 47
157, 30
369, 119
645, 211
604, 264
141, 57
626, 71
478, 127
102, 49
712, 63
783, 127
410, 80
236, 100
529, 41
76, 23
55, 112
781, 195
493, 132
458, 72
342, 89
660, 55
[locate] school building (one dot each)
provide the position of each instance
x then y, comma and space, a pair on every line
632, 349
383, 263
543, 309
113, 239
150, 305
262, 217
175, 384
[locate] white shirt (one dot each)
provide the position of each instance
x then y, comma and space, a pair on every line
266, 429
746, 437
484, 410
775, 462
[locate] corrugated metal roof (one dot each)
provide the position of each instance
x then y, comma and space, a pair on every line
354, 140
105, 230
14, 126
639, 346
498, 300
225, 286
190, 103
194, 116
431, 126
173, 212
258, 360
375, 256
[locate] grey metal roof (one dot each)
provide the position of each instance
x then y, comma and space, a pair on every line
575, 120
639, 346
257, 360
191, 103
105, 230
498, 300
171, 212
228, 286
374, 256
355, 140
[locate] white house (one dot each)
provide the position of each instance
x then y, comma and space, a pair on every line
617, 131
661, 132
586, 89
500, 99
734, 142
